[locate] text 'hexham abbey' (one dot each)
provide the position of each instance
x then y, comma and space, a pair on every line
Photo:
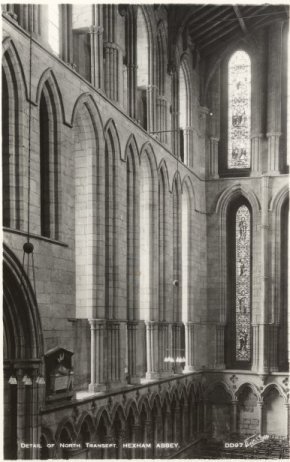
145, 231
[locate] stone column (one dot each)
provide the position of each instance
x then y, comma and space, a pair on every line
255, 347
97, 58
111, 70
21, 405
151, 108
288, 419
274, 95
185, 425
214, 125
113, 353
136, 430
152, 348
147, 439
161, 104
132, 327
220, 347
66, 40
176, 345
97, 355
272, 347
258, 106
189, 347
213, 157
177, 424
111, 53
163, 348
175, 112
256, 141
260, 415
234, 417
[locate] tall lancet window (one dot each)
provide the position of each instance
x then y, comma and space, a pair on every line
239, 343
239, 110
243, 284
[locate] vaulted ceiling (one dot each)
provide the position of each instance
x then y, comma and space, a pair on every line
211, 27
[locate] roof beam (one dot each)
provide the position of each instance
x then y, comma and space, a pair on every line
218, 35
205, 28
240, 19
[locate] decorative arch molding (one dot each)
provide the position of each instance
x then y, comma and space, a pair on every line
231, 193
48, 78
17, 290
118, 410
88, 100
133, 146
155, 400
66, 424
176, 182
217, 384
225, 199
277, 201
85, 417
8, 45
144, 403
103, 414
111, 129
278, 388
250, 386
148, 150
163, 168
47, 433
188, 188
132, 405
250, 47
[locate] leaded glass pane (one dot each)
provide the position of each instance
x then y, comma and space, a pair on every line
243, 283
239, 113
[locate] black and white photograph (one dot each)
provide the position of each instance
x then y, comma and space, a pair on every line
145, 210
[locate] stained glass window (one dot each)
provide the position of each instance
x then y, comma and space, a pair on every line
239, 113
243, 284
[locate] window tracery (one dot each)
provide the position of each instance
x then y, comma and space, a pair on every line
239, 110
243, 284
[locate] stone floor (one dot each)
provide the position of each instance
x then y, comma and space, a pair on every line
272, 448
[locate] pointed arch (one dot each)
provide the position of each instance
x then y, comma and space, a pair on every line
86, 98
51, 116
185, 109
148, 233
133, 235
161, 71
22, 324
14, 156
133, 146
9, 47
112, 235
279, 206
176, 252
131, 406
249, 385
112, 136
239, 245
88, 162
211, 390
85, 418
274, 411
143, 406
103, 417
164, 273
67, 425
222, 209
49, 79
